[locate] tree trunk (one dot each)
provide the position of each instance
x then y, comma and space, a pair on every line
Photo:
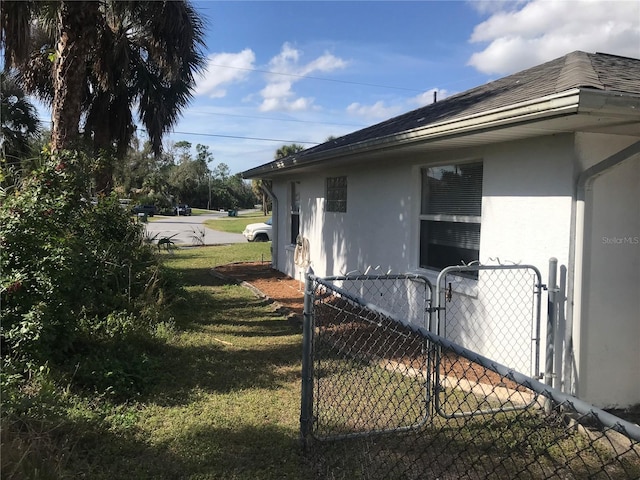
77, 35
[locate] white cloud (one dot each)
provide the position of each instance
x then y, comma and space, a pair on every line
491, 6
278, 94
223, 69
541, 30
376, 112
380, 111
426, 98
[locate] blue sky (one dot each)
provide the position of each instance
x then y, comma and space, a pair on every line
337, 66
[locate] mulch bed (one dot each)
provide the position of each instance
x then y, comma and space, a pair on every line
275, 285
289, 293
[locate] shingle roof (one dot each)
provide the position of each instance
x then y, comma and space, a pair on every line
575, 70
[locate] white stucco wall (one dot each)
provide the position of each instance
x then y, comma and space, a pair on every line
608, 336
527, 210
526, 215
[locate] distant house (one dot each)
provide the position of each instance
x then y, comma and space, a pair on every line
543, 163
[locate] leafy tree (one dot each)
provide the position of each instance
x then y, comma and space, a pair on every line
189, 182
221, 172
203, 154
241, 191
108, 57
183, 149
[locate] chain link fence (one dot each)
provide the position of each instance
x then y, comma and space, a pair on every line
384, 397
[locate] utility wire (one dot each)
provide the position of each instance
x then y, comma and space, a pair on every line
244, 138
229, 136
361, 125
316, 78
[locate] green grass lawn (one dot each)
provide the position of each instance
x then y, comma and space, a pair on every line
236, 224
225, 403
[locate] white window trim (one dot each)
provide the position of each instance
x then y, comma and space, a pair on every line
466, 285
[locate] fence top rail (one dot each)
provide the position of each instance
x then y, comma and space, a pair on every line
474, 267
361, 302
360, 276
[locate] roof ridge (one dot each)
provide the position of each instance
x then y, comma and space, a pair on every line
578, 71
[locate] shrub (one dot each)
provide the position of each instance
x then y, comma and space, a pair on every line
73, 273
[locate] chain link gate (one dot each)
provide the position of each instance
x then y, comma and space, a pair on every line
493, 310
354, 355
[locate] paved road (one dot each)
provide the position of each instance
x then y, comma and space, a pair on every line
182, 230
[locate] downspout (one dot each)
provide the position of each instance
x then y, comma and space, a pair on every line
576, 258
274, 209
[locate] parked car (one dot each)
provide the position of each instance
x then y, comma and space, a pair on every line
148, 209
182, 209
258, 232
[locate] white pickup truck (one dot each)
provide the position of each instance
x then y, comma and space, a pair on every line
258, 232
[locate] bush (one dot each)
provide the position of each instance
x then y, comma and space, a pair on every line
73, 274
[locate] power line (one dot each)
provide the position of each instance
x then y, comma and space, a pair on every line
243, 138
316, 78
240, 137
232, 136
284, 119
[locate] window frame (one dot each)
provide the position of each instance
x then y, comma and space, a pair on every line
464, 217
336, 194
294, 212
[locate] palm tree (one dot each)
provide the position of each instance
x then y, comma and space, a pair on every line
258, 185
20, 124
287, 150
109, 57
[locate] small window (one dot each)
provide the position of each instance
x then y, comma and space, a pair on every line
450, 215
295, 212
336, 194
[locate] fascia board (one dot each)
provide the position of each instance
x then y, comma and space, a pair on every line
564, 103
520, 113
610, 104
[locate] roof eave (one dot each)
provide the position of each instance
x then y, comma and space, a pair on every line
609, 103
563, 103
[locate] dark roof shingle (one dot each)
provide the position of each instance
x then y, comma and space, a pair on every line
574, 70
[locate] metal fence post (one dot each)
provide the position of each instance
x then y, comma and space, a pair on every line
552, 288
306, 405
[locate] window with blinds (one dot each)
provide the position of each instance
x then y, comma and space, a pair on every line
336, 194
450, 215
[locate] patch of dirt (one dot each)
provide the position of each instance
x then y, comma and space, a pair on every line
289, 293
281, 288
